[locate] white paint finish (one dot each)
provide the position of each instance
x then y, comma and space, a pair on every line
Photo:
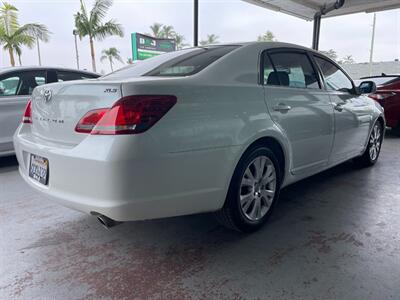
70, 101
182, 165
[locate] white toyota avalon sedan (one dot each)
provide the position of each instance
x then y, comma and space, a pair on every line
209, 129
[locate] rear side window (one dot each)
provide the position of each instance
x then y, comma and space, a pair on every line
335, 79
68, 76
191, 63
290, 69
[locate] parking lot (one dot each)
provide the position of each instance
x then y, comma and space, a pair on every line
333, 236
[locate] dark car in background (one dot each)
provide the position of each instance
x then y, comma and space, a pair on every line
388, 95
16, 85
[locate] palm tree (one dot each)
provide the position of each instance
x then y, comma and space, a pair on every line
156, 30
332, 54
91, 25
180, 41
211, 39
13, 36
267, 37
348, 59
110, 54
167, 32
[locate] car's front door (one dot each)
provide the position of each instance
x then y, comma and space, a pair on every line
299, 107
352, 112
15, 88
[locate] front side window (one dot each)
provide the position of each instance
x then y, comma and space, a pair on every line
9, 85
29, 80
336, 79
291, 70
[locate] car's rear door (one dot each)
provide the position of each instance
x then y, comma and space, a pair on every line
352, 112
15, 88
299, 106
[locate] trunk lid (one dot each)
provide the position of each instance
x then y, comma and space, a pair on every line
58, 107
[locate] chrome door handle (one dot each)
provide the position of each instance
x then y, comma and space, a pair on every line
282, 107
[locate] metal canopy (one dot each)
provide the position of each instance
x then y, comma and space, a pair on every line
307, 9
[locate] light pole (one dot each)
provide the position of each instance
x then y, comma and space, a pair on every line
371, 54
75, 33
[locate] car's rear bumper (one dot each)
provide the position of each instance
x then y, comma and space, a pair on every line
101, 175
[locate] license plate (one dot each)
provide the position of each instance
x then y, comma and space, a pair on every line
39, 169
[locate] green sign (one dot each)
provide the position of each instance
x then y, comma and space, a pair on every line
144, 46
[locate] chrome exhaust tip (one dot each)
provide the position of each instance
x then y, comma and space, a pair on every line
106, 221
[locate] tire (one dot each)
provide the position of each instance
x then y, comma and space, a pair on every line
371, 154
253, 192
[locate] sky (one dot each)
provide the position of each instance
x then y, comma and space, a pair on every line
230, 20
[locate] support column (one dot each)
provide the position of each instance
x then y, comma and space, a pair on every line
317, 31
317, 20
196, 23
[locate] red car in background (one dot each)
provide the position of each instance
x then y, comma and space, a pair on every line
388, 95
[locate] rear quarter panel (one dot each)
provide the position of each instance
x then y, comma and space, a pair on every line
219, 113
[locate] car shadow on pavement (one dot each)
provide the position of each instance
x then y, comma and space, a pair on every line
8, 163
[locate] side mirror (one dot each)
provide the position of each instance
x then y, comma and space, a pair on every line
367, 87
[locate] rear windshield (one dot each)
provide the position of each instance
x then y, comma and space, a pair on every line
191, 63
382, 80
179, 63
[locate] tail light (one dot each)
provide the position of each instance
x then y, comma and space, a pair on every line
129, 115
89, 120
381, 96
27, 118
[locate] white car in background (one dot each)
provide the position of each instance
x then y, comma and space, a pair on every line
210, 129
16, 85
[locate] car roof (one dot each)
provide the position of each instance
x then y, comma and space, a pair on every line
268, 45
30, 68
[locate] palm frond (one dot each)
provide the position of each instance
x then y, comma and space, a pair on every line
156, 29
108, 29
39, 31
8, 18
112, 53
99, 10
82, 24
103, 57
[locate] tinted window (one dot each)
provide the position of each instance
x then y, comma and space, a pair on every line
68, 76
9, 85
270, 77
21, 84
192, 62
29, 80
292, 70
335, 79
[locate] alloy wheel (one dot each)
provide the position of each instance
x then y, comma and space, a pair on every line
258, 188
375, 142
